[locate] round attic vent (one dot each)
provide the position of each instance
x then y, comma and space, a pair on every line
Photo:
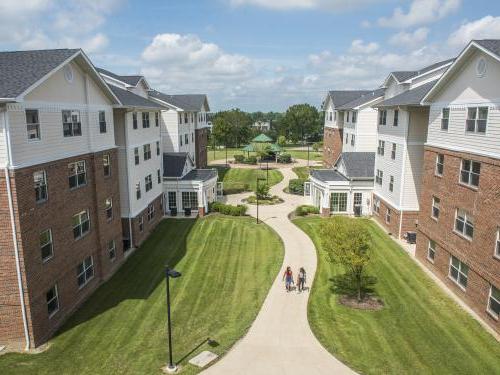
68, 73
481, 67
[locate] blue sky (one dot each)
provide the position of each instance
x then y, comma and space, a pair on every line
253, 54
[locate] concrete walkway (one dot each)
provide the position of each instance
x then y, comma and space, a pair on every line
280, 340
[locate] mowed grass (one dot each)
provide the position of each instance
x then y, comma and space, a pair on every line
227, 266
245, 179
419, 331
300, 154
220, 154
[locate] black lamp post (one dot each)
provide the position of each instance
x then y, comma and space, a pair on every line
170, 273
257, 195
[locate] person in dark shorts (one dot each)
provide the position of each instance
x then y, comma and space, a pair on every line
288, 277
301, 279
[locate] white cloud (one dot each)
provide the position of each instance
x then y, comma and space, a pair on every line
484, 28
359, 47
334, 5
421, 12
410, 39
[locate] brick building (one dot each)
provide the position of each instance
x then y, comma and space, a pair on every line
59, 197
459, 221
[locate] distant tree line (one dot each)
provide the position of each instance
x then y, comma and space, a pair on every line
233, 128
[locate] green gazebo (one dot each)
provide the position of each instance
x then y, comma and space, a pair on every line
262, 138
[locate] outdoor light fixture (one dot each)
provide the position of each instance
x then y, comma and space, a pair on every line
257, 195
170, 273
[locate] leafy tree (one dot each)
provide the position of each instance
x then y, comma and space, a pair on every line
302, 122
221, 131
281, 140
262, 149
262, 191
347, 242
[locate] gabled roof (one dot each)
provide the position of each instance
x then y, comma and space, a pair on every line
327, 175
129, 99
411, 97
188, 102
131, 80
341, 97
21, 69
174, 163
358, 164
402, 76
489, 46
363, 99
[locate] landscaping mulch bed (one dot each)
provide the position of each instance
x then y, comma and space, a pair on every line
367, 303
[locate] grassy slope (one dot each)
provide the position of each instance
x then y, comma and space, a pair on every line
237, 178
228, 265
301, 172
420, 330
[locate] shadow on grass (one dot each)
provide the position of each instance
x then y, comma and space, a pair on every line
140, 274
345, 286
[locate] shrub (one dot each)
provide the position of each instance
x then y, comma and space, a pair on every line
281, 141
239, 158
316, 146
306, 210
296, 186
284, 158
250, 160
262, 191
228, 209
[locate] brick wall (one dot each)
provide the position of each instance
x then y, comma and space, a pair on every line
139, 236
201, 143
56, 214
332, 145
409, 219
483, 203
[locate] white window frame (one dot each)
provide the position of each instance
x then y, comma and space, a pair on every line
353, 140
465, 219
106, 165
102, 122
137, 158
54, 298
393, 151
108, 208
379, 177
496, 252
145, 120
388, 215
431, 248
445, 119
381, 148
342, 200
157, 148
148, 183
376, 205
436, 207
476, 119
460, 272
382, 117
395, 120
354, 117
73, 128
49, 243
391, 184
488, 306
134, 121
146, 151
151, 212
158, 172
81, 223
469, 173
112, 250
77, 169
41, 186
33, 127
438, 163
141, 224
138, 193
86, 267
157, 119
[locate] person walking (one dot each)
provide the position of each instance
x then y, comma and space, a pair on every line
301, 279
288, 277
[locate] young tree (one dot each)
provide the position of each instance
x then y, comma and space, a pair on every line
262, 191
347, 242
281, 141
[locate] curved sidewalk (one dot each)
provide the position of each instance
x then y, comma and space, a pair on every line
280, 340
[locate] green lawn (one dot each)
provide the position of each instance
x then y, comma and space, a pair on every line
244, 179
299, 154
227, 265
221, 154
419, 331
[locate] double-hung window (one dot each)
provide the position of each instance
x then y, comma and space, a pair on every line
338, 202
352, 139
158, 172
102, 121
376, 205
148, 182
464, 223
81, 224
354, 117
347, 114
382, 117
192, 137
458, 272
145, 119
157, 119
136, 155
151, 212
391, 183
186, 139
46, 246
157, 148
395, 121
112, 249
147, 152
108, 207
180, 139
469, 172
346, 138
52, 299
494, 302
85, 271
40, 181
439, 164
141, 223
436, 206
71, 123
388, 216
106, 164
186, 118
33, 125
138, 190
77, 174
497, 245
477, 118
393, 151
379, 177
431, 251
381, 148
445, 118
134, 120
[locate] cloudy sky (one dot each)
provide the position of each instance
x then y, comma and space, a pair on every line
253, 54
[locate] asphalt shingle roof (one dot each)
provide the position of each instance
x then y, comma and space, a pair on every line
492, 45
188, 102
200, 175
132, 80
365, 98
21, 69
128, 98
327, 175
358, 164
173, 163
410, 97
341, 97
402, 76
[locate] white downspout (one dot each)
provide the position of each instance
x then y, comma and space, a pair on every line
405, 149
14, 231
128, 180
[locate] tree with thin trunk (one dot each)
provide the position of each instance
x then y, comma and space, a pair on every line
347, 242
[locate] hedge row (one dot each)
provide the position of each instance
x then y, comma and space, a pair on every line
228, 209
284, 158
306, 210
241, 159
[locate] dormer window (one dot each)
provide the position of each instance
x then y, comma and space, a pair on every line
71, 123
